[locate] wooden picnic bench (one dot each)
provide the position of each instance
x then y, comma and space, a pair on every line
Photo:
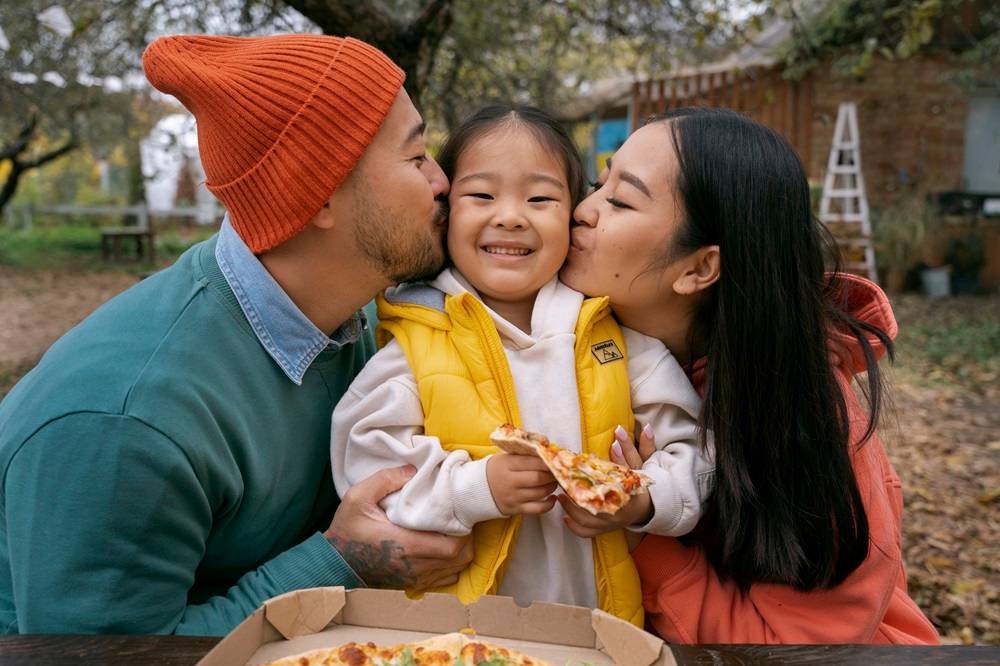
111, 242
142, 233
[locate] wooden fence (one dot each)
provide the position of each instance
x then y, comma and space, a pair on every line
759, 92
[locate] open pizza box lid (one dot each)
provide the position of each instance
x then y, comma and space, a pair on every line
329, 616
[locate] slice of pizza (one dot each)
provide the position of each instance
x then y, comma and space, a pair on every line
446, 650
599, 486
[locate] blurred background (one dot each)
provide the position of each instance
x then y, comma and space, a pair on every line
892, 105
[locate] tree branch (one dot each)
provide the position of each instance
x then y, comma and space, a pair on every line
72, 143
429, 13
20, 144
432, 24
363, 19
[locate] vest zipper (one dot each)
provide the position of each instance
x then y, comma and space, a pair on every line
497, 359
583, 336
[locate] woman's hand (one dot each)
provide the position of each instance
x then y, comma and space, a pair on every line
623, 451
520, 484
584, 524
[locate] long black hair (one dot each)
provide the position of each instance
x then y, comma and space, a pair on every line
546, 129
786, 506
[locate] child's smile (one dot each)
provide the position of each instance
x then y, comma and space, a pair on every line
507, 250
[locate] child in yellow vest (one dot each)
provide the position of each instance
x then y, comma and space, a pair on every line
497, 338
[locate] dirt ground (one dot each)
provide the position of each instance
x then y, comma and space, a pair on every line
943, 436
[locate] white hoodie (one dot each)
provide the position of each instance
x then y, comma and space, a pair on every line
378, 423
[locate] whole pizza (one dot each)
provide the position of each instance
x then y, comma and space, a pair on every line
448, 650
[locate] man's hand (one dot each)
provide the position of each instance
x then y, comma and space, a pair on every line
520, 484
385, 555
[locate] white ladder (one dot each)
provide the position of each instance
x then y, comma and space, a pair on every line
843, 207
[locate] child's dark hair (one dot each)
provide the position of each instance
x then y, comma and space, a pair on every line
547, 130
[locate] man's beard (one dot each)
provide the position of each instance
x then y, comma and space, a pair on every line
396, 251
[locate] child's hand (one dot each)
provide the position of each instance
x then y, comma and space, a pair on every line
520, 484
584, 524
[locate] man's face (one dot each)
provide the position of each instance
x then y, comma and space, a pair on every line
399, 222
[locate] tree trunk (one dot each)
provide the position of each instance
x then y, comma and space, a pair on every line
9, 187
412, 45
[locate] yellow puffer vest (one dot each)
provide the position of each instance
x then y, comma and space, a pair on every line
466, 390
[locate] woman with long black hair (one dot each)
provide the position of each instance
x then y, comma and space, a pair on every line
700, 232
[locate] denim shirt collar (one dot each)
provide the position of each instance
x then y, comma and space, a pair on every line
291, 339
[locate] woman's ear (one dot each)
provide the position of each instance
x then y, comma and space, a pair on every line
700, 272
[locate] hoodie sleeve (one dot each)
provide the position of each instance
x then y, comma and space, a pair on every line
682, 471
378, 423
687, 602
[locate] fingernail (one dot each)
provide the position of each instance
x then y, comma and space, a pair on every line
620, 433
616, 450
647, 430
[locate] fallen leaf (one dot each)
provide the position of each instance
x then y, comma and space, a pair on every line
967, 586
991, 495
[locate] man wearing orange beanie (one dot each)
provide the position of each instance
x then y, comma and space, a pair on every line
165, 466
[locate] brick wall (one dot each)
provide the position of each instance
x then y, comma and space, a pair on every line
912, 124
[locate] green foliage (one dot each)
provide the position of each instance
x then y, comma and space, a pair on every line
481, 51
71, 89
858, 32
899, 230
981, 63
74, 179
546, 53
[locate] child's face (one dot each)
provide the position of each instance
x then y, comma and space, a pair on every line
508, 232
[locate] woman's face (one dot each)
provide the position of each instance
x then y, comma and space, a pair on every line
621, 242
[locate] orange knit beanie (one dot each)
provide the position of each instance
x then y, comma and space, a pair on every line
281, 120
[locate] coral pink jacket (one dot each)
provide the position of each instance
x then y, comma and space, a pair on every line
686, 602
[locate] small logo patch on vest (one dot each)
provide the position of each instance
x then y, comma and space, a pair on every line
606, 351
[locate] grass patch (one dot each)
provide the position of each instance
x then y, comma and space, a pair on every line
956, 341
78, 247
50, 247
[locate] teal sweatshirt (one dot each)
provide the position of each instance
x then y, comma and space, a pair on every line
160, 473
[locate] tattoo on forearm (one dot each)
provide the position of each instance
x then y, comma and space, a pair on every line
379, 565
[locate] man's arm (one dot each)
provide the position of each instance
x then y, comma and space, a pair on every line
107, 522
379, 421
386, 555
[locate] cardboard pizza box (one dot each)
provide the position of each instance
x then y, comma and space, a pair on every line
328, 616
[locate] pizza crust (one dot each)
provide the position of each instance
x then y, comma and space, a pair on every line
514, 440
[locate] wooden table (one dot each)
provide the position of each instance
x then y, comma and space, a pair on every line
185, 651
